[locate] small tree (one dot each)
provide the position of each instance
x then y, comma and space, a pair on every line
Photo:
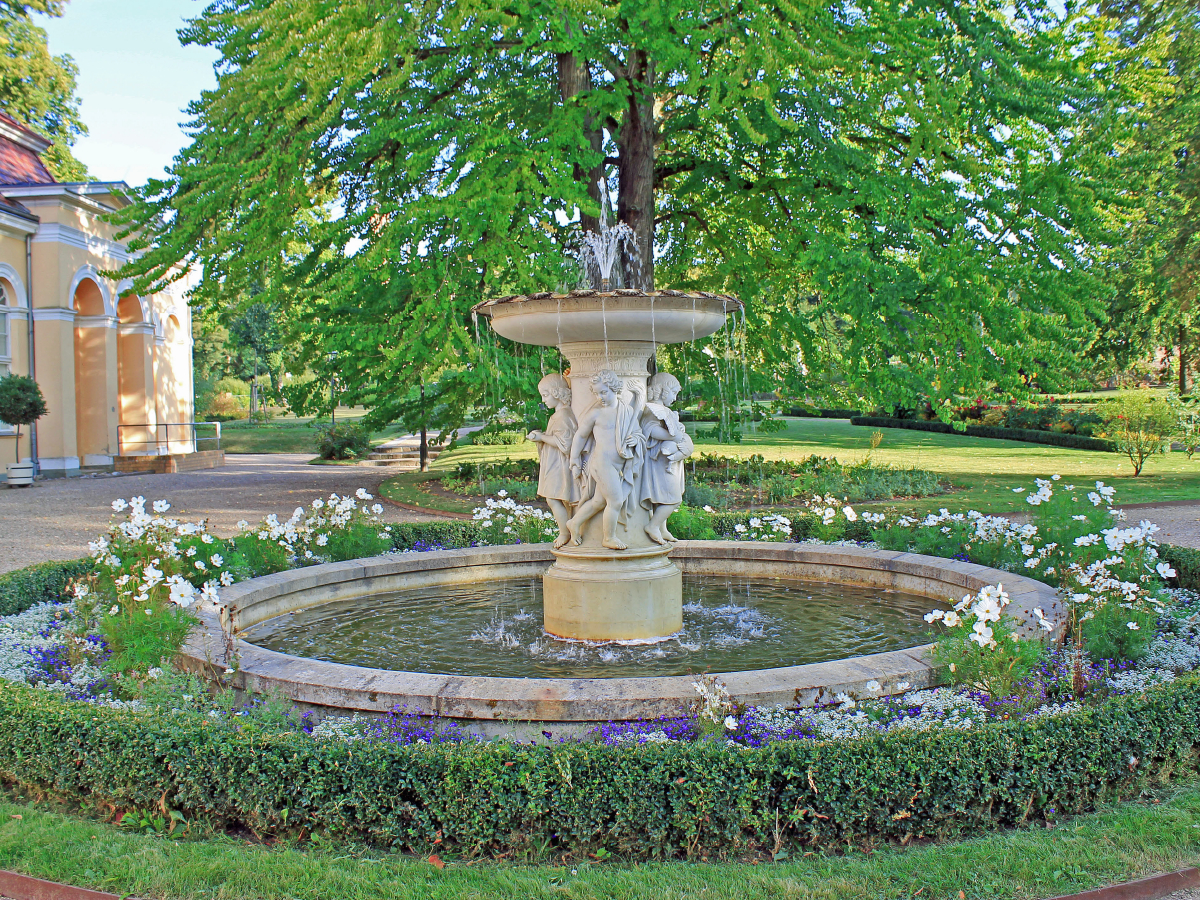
21, 403
1140, 424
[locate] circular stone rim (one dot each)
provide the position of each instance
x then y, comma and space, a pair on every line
354, 689
728, 301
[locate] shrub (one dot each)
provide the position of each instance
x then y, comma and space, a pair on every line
1140, 426
21, 403
980, 647
225, 408
342, 441
1051, 438
646, 801
1186, 563
42, 583
497, 438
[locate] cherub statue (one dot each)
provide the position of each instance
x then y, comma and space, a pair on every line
555, 481
667, 444
609, 433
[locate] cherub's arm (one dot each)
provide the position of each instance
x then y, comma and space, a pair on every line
639, 400
586, 424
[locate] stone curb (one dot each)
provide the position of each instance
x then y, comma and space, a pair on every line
25, 887
327, 687
1143, 889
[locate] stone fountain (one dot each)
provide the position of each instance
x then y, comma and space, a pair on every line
612, 455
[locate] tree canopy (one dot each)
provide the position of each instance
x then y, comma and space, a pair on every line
38, 89
895, 188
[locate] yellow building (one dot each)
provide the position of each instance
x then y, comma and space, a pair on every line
115, 368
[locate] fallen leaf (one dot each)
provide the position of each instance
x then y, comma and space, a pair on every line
435, 860
16, 817
962, 895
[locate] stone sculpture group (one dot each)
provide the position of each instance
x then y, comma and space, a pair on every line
619, 455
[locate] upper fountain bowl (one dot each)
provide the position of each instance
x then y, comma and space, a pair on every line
664, 317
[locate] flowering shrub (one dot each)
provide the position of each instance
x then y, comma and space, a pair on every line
980, 647
149, 569
504, 521
1110, 576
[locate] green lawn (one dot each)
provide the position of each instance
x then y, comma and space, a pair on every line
983, 471
1121, 842
287, 434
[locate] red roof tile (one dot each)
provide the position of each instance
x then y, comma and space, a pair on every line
19, 163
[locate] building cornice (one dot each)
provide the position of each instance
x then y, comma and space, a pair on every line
54, 314
95, 321
55, 233
144, 328
62, 192
15, 312
24, 137
17, 225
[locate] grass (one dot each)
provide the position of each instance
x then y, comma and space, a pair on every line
1118, 843
983, 470
287, 434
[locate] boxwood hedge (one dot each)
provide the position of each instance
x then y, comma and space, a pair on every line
675, 800
42, 583
1028, 435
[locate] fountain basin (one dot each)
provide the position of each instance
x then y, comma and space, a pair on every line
660, 317
513, 705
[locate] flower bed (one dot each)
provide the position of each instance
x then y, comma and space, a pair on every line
1022, 732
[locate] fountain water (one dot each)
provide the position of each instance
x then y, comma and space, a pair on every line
622, 445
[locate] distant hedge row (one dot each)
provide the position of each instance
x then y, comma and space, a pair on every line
1028, 435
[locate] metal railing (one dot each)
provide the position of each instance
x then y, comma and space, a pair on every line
166, 437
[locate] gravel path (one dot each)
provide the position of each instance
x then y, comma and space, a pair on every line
1179, 525
55, 519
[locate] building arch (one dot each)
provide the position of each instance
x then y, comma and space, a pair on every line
16, 298
96, 379
83, 277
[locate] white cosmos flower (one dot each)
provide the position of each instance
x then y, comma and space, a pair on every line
1165, 571
201, 566
206, 538
1132, 626
242, 524
318, 503
1087, 540
217, 559
226, 579
114, 610
850, 514
952, 619
361, 494
377, 509
152, 575
119, 505
322, 540
160, 506
731, 723
873, 686
182, 593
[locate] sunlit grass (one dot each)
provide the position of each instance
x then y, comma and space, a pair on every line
1122, 842
983, 471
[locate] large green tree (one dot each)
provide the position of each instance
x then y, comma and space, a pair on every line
891, 185
38, 88
1152, 135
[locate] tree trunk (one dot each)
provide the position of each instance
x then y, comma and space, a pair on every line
1182, 364
424, 435
636, 139
575, 78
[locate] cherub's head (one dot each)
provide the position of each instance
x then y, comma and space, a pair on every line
607, 386
555, 390
663, 387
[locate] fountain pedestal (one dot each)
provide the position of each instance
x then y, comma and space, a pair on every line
594, 592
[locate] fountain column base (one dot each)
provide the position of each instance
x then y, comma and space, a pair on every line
604, 595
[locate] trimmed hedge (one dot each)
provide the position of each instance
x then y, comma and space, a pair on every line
41, 583
448, 533
1028, 435
1186, 563
661, 801
802, 412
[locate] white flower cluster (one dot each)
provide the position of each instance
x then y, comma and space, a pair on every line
715, 703
307, 531
828, 507
508, 521
979, 611
767, 528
